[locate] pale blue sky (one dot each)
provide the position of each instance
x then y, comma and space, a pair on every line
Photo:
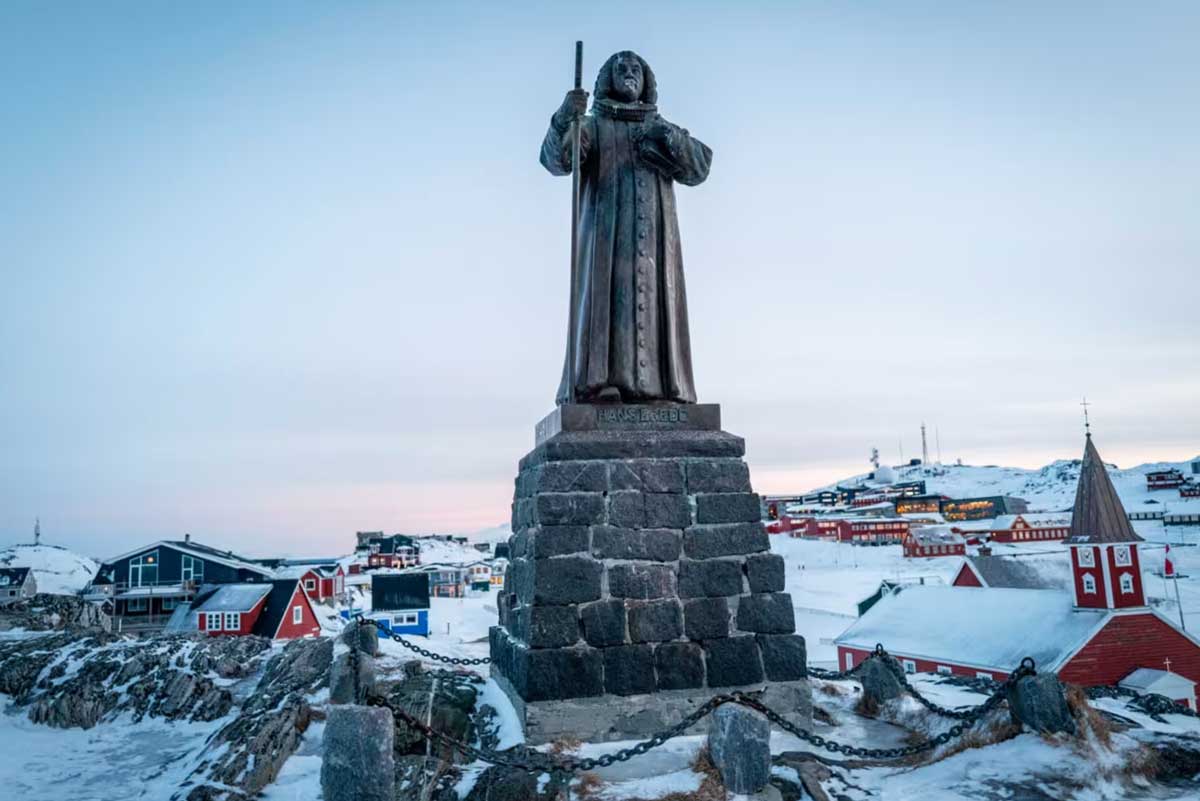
276, 272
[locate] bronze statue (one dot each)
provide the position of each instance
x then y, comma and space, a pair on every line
631, 341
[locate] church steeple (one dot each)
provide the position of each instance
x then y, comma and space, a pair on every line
1102, 541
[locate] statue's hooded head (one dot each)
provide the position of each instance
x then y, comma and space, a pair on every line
626, 78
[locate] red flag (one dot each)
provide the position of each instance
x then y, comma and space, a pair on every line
1168, 567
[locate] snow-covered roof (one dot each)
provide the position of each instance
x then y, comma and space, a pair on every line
935, 535
1049, 573
1149, 680
234, 598
183, 619
1036, 519
295, 571
227, 558
983, 628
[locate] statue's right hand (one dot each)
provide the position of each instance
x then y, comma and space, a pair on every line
574, 104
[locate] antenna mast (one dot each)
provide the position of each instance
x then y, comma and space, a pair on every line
924, 446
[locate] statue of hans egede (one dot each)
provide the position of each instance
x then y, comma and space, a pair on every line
631, 341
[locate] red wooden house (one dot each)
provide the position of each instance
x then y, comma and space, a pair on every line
1030, 527
932, 541
1100, 632
1164, 479
278, 609
856, 530
320, 582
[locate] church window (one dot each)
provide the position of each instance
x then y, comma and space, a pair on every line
1122, 556
1086, 557
1089, 584
1126, 584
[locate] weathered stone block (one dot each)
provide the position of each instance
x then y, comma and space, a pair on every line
709, 577
765, 572
629, 669
342, 680
646, 475
651, 544
733, 662
784, 656
667, 511
706, 618
627, 509
736, 539
1040, 703
568, 508
654, 621
728, 507
564, 673
641, 581
603, 622
880, 680
636, 445
766, 613
547, 541
679, 665
522, 513
739, 743
571, 477
566, 580
519, 576
552, 626
363, 636
717, 475
518, 544
357, 761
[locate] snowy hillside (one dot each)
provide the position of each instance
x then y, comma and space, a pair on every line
56, 570
1048, 489
440, 552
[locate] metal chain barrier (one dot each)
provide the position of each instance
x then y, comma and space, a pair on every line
449, 660
535, 761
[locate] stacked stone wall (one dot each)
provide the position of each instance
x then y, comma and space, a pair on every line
633, 575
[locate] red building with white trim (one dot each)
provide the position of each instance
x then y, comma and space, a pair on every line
933, 541
1101, 632
856, 530
1030, 527
277, 609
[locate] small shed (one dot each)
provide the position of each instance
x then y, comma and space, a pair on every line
400, 601
1179, 689
16, 584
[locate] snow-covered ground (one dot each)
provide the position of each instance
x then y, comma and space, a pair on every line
56, 570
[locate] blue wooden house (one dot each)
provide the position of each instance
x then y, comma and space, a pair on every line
401, 602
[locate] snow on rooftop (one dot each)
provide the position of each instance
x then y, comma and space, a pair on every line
56, 570
235, 598
986, 628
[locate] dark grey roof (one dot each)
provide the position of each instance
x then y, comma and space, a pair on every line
15, 576
1098, 515
399, 591
1003, 571
278, 603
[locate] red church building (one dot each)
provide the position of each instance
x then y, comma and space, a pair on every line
1099, 632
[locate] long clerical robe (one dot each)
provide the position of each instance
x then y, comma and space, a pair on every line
630, 303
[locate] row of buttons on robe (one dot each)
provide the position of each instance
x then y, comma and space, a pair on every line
643, 262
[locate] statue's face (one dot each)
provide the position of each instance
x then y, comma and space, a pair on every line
627, 79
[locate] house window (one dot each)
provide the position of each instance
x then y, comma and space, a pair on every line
406, 619
1126, 583
849, 661
1122, 556
297, 614
944, 670
910, 666
137, 605
212, 621
1086, 557
310, 584
168, 604
233, 621
12, 593
191, 569
143, 570
980, 674
1089, 584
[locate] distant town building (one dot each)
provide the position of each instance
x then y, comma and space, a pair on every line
1030, 527
1010, 572
479, 576
16, 584
1164, 479
400, 601
933, 541
276, 609
982, 508
320, 582
397, 551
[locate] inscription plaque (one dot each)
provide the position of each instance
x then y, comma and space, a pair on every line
629, 417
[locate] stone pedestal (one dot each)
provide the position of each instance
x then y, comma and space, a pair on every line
641, 581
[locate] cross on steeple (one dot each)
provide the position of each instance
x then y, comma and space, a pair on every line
1167, 662
1087, 425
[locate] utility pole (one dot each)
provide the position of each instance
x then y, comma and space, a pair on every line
37, 531
924, 446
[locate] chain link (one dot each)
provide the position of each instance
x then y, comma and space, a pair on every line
449, 660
